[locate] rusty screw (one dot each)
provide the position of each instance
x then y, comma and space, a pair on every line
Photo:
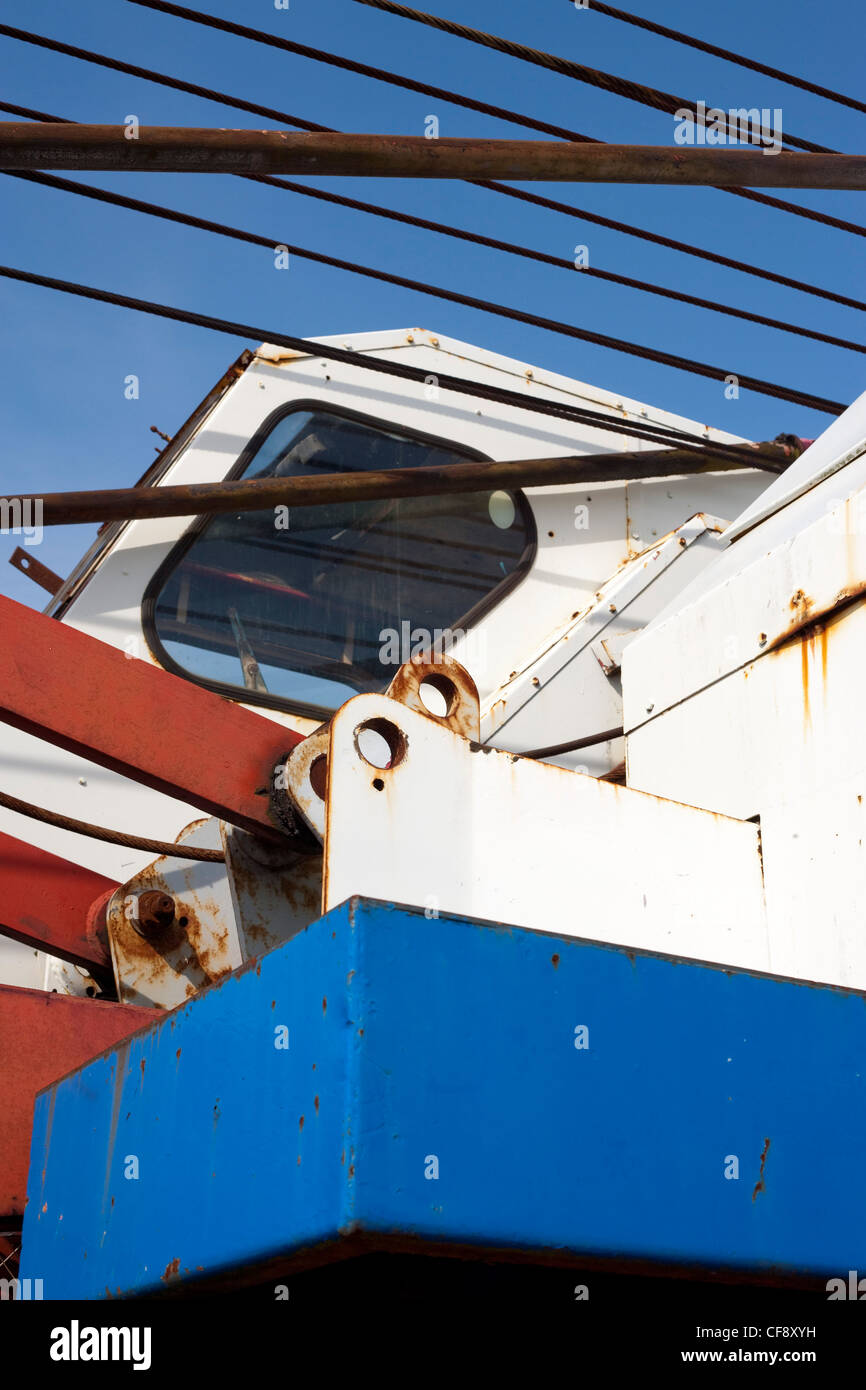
155, 911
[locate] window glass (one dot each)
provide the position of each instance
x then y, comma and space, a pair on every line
313, 605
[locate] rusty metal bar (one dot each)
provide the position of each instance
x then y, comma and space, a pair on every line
262, 494
27, 563
66, 687
176, 149
42, 1037
47, 903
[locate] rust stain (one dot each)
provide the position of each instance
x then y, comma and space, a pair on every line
316, 1103
171, 1270
497, 709
168, 949
453, 683
806, 615
804, 665
300, 890
324, 1006
813, 647
301, 1123
760, 1185
555, 960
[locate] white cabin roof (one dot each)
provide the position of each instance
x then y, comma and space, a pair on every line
472, 361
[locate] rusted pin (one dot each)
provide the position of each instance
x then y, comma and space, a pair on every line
155, 912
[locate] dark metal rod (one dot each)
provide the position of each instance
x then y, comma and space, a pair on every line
263, 494
573, 745
50, 145
392, 367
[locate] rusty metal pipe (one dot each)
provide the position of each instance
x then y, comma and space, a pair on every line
262, 494
176, 149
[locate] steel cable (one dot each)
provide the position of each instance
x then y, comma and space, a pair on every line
691, 42
210, 94
113, 837
309, 348
648, 96
566, 67
476, 238
586, 335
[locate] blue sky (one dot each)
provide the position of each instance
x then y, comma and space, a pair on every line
65, 421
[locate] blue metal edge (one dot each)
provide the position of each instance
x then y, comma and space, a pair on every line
435, 1087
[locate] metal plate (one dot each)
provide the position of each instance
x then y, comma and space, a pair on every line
201, 945
452, 826
562, 694
412, 1039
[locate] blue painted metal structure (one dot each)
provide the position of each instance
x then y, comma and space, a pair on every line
411, 1040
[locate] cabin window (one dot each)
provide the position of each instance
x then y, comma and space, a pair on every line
307, 607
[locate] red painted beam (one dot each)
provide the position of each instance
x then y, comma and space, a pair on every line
42, 1037
85, 696
45, 902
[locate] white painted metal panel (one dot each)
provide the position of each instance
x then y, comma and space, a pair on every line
780, 584
784, 739
452, 826
563, 693
815, 875
782, 727
20, 965
658, 505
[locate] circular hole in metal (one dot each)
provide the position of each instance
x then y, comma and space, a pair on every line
438, 695
183, 921
380, 743
319, 775
502, 509
378, 784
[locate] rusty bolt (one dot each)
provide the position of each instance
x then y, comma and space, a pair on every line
155, 911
